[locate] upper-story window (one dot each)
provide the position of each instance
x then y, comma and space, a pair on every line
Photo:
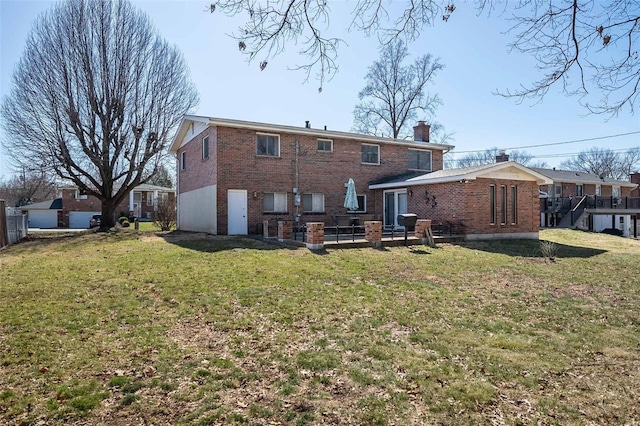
579, 190
598, 190
205, 147
419, 160
325, 145
370, 154
615, 191
268, 145
183, 160
80, 195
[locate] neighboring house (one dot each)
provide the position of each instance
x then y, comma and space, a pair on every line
233, 175
589, 202
77, 208
45, 214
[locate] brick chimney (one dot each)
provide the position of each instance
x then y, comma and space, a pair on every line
502, 157
421, 132
635, 177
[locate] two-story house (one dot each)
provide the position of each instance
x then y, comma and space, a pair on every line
588, 201
233, 175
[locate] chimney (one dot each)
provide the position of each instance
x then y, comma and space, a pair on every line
635, 177
502, 157
307, 125
421, 132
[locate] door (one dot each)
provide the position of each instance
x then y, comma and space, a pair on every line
395, 203
237, 209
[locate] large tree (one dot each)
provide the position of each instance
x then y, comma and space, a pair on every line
605, 162
582, 47
96, 97
488, 156
395, 93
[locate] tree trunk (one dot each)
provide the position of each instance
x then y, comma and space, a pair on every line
108, 219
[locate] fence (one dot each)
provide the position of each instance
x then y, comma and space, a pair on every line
13, 225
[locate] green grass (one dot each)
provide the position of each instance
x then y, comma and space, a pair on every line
194, 329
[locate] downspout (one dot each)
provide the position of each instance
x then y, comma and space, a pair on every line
177, 191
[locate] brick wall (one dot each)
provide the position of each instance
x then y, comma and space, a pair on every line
469, 204
90, 204
238, 167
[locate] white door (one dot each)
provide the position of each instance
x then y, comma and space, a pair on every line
395, 203
237, 209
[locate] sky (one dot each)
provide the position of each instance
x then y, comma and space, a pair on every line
473, 49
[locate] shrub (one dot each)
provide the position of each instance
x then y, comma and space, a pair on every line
548, 249
124, 221
165, 215
612, 231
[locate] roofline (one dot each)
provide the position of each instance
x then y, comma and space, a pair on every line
224, 122
596, 181
464, 176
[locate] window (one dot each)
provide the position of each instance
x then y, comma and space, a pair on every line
268, 145
183, 160
163, 197
325, 145
275, 202
205, 148
492, 202
514, 205
579, 190
370, 154
149, 198
362, 204
137, 197
615, 191
313, 203
419, 160
80, 195
503, 204
598, 190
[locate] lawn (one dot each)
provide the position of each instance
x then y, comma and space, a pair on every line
174, 328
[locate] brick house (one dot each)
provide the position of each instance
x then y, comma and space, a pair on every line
233, 175
77, 208
589, 202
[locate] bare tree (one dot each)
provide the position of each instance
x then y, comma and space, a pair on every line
395, 94
96, 97
605, 162
27, 188
582, 46
165, 216
489, 156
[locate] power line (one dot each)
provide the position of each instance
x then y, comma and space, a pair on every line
554, 143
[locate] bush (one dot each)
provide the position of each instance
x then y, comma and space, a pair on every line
124, 221
165, 215
612, 231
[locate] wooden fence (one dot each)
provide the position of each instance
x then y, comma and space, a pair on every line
13, 225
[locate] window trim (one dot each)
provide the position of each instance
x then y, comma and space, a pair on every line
579, 190
286, 202
514, 205
325, 140
360, 208
313, 194
370, 144
503, 205
78, 195
492, 204
205, 147
430, 160
183, 160
277, 136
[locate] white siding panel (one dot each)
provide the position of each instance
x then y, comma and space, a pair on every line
197, 210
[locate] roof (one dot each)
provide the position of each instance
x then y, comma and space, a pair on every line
278, 128
580, 177
505, 170
44, 205
141, 187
